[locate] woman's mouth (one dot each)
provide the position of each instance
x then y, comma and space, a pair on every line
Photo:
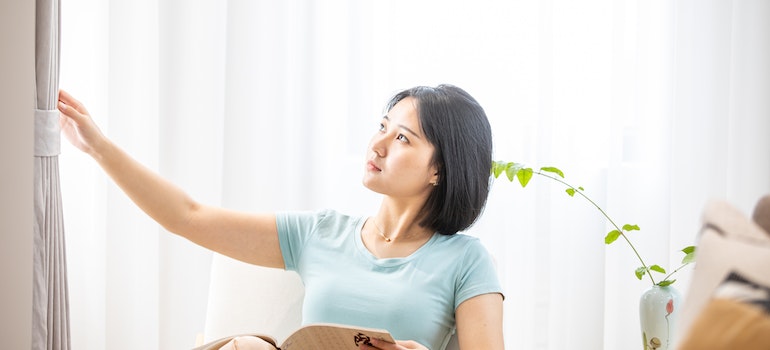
372, 167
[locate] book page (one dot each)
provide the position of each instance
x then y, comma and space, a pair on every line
332, 336
216, 344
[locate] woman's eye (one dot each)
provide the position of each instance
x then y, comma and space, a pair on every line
382, 127
402, 138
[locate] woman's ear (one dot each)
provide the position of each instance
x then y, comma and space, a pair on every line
434, 180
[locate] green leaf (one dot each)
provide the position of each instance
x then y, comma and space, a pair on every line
497, 168
666, 283
640, 272
581, 188
524, 176
628, 227
689, 255
657, 268
611, 236
554, 170
511, 169
571, 192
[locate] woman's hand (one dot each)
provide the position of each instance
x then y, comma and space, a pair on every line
399, 345
77, 125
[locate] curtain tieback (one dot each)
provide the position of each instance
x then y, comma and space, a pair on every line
47, 135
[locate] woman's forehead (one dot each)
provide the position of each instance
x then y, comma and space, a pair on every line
404, 109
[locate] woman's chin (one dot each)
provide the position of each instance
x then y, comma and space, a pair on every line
369, 184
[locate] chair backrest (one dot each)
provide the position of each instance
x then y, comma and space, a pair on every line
729, 243
246, 299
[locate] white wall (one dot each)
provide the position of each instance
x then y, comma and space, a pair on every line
16, 96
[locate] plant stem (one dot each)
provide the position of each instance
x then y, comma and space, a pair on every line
649, 273
677, 269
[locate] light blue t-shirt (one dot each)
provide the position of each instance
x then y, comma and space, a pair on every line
413, 297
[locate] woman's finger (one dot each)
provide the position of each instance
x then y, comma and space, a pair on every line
70, 112
71, 102
381, 344
410, 344
76, 112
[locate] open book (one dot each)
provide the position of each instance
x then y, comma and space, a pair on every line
319, 336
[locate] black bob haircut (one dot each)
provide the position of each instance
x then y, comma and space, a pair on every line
456, 125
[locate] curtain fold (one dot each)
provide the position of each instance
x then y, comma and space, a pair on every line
50, 327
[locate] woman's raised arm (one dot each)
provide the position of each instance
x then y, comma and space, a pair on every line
252, 238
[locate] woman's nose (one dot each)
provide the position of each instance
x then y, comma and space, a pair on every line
378, 144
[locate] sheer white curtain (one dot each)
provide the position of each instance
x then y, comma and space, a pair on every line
267, 105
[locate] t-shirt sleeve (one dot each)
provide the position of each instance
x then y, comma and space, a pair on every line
294, 230
478, 276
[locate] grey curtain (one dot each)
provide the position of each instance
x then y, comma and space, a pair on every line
50, 313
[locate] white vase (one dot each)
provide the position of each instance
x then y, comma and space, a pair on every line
658, 312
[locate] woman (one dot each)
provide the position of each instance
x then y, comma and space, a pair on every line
404, 269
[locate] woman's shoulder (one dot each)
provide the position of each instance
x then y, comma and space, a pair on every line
318, 214
460, 239
337, 217
325, 218
464, 243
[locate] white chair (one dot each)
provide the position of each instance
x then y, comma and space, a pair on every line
246, 299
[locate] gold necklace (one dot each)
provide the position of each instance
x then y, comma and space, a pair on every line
382, 234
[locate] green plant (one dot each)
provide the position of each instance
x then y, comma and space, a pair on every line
517, 171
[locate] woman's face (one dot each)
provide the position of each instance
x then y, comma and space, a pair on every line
398, 161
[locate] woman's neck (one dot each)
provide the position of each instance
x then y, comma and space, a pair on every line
399, 222
394, 232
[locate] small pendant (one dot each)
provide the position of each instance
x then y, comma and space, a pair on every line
387, 239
